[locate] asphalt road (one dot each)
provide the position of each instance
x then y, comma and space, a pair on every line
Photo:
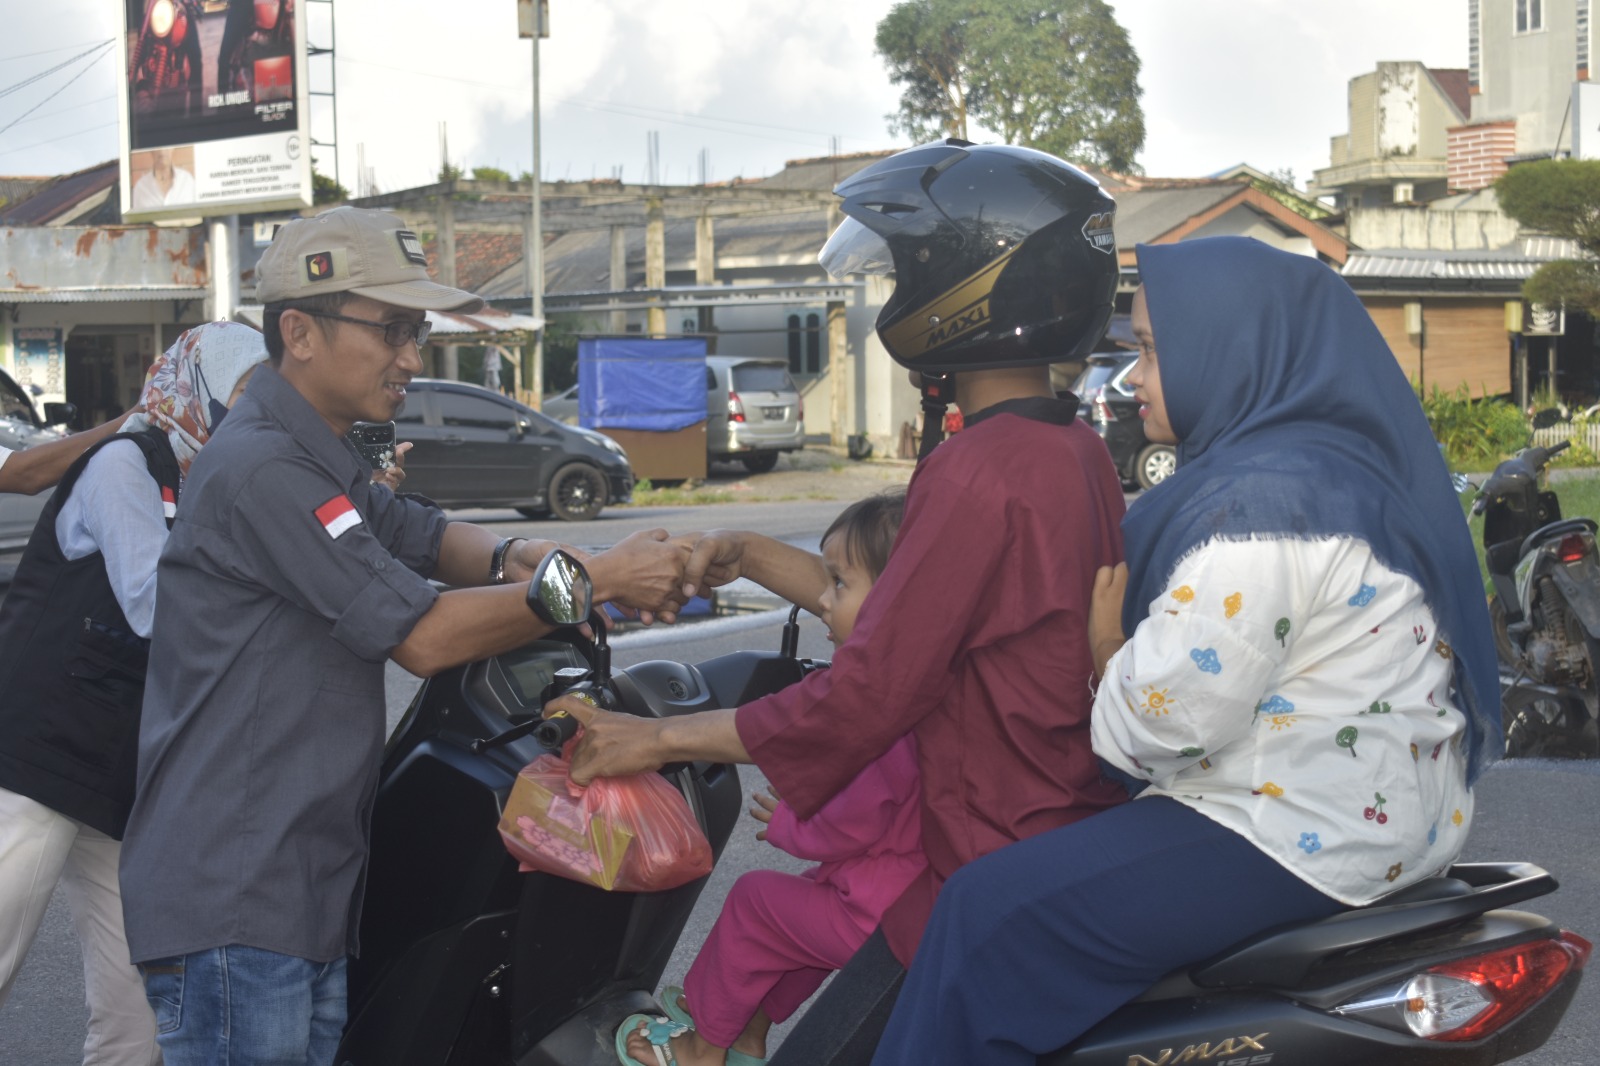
1543, 812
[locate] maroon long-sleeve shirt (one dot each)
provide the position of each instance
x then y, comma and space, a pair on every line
975, 640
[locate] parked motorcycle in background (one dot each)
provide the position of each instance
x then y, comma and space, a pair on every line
1545, 610
166, 55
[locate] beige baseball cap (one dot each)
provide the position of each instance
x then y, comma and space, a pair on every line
357, 250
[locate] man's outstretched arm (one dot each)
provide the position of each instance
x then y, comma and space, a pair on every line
35, 469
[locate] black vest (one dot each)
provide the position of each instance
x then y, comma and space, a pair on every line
71, 669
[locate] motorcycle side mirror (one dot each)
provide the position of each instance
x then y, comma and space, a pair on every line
561, 593
790, 647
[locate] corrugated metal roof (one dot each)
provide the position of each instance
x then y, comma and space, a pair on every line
60, 196
1145, 214
1516, 262
94, 296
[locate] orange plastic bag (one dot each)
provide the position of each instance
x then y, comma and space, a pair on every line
622, 834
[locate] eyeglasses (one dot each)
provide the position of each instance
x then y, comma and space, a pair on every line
396, 333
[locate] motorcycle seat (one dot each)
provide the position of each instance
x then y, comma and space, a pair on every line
1433, 888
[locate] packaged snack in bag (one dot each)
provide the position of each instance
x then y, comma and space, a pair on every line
622, 834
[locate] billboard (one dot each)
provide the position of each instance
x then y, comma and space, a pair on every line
214, 108
1585, 120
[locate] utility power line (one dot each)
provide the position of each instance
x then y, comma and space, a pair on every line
85, 69
59, 66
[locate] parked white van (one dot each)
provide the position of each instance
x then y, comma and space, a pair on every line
753, 411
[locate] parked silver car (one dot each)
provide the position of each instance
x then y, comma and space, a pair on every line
753, 411
21, 427
561, 406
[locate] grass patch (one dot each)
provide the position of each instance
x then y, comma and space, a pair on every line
1579, 495
647, 495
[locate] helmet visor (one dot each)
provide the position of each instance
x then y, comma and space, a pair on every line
855, 249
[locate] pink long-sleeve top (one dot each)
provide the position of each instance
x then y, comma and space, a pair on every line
867, 839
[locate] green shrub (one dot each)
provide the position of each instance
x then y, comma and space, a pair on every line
1476, 434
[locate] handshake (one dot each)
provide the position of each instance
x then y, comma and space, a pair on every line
652, 573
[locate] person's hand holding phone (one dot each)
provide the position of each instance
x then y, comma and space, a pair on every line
376, 443
393, 475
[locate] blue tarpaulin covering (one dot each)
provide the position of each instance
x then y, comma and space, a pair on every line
639, 383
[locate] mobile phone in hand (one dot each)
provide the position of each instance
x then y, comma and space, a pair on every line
375, 442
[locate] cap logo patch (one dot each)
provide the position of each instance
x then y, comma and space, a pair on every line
1097, 231
319, 266
411, 247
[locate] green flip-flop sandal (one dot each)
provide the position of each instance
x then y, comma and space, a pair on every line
669, 1003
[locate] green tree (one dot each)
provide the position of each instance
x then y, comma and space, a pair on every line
490, 174
325, 190
1057, 75
1560, 197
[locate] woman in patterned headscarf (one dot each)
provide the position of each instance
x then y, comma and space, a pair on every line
193, 383
74, 630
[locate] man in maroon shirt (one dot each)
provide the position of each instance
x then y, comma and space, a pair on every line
974, 638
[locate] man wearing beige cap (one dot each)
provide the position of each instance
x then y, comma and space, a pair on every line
286, 583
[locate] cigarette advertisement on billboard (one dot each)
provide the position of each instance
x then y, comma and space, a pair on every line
214, 112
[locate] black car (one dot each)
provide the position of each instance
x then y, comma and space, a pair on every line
474, 447
1105, 402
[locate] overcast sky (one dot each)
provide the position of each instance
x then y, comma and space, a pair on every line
751, 83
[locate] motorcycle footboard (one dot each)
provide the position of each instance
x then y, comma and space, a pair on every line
589, 1038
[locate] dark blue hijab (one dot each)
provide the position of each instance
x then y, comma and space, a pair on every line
1294, 419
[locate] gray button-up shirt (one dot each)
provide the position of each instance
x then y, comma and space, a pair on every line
284, 585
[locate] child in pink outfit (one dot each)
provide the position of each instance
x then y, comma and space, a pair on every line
780, 935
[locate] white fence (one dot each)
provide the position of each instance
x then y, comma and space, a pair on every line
1586, 433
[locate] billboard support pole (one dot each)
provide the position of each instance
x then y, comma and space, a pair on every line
535, 376
224, 267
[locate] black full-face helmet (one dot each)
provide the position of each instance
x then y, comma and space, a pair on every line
1002, 256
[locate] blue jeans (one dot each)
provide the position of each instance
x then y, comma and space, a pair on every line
243, 1006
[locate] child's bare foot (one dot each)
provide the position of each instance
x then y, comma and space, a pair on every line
753, 1041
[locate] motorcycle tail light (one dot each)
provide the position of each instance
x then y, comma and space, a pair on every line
735, 408
1572, 548
1470, 998
161, 18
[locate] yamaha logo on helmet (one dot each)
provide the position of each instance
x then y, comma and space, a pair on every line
1098, 232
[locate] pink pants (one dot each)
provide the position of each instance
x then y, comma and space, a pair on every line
778, 938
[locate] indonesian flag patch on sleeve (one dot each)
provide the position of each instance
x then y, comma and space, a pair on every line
169, 502
338, 516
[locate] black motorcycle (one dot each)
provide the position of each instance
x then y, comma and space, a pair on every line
1545, 610
166, 55
466, 962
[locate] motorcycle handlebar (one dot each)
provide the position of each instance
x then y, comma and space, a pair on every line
556, 730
